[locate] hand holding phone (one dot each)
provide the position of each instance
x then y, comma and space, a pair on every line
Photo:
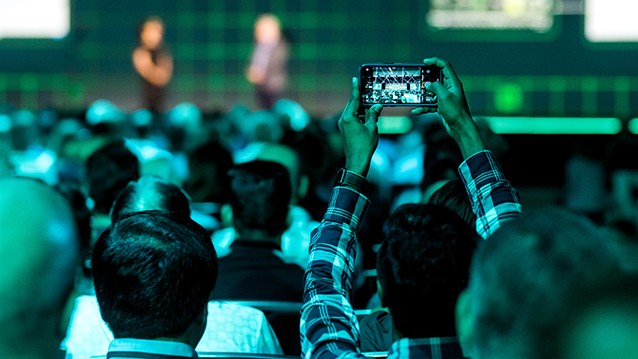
397, 84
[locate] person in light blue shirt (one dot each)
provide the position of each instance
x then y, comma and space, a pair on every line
154, 272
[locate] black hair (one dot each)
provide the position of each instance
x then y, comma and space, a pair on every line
108, 170
154, 272
261, 193
423, 266
454, 196
208, 180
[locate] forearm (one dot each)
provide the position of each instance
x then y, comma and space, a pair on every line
328, 324
467, 136
494, 200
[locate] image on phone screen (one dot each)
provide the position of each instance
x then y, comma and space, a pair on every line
397, 84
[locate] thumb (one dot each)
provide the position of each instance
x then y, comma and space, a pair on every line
372, 116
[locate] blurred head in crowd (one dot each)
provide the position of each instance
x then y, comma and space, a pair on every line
39, 254
524, 278
108, 170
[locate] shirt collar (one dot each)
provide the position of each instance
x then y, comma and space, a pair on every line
161, 347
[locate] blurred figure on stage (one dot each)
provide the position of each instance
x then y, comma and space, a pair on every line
153, 62
268, 65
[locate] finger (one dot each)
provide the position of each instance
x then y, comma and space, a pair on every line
449, 73
372, 114
423, 110
446, 68
439, 62
353, 104
418, 111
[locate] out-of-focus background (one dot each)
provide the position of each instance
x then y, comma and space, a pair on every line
566, 68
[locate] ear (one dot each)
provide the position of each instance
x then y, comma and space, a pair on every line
226, 215
463, 316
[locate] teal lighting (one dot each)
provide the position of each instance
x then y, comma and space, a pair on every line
394, 124
555, 125
632, 126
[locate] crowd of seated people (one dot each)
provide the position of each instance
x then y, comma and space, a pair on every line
149, 238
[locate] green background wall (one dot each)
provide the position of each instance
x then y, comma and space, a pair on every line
559, 74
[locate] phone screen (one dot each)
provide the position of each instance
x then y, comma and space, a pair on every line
397, 84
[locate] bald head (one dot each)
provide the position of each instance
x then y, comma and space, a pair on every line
39, 254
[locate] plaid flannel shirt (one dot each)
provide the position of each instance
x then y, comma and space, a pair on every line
329, 327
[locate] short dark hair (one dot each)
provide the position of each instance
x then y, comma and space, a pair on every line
148, 193
108, 170
423, 266
454, 196
260, 197
154, 272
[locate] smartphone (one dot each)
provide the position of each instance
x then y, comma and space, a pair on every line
397, 84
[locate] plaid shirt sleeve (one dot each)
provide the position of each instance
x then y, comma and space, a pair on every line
329, 327
494, 200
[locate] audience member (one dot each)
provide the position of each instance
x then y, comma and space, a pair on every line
229, 327
422, 267
295, 239
184, 128
524, 278
328, 326
108, 170
106, 121
315, 156
28, 156
39, 253
154, 272
208, 167
63, 140
451, 195
150, 193
255, 268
